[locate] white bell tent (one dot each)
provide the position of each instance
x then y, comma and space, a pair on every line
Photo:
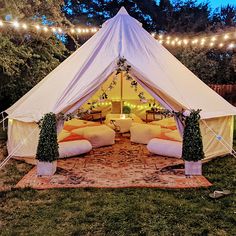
81, 75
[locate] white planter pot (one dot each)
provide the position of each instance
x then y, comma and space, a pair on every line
46, 168
193, 167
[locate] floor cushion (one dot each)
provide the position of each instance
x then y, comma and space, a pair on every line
174, 136
165, 147
143, 133
98, 136
74, 148
73, 137
62, 135
168, 123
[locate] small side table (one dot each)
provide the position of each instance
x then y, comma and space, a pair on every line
153, 113
121, 125
93, 114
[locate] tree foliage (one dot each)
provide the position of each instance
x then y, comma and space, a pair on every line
25, 58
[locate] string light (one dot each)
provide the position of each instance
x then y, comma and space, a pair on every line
210, 41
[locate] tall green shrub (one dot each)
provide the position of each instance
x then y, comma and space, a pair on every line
47, 149
192, 140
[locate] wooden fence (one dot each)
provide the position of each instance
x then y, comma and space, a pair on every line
228, 91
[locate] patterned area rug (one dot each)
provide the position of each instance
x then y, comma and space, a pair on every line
122, 165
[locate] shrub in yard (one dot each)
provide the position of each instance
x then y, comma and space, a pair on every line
47, 149
192, 139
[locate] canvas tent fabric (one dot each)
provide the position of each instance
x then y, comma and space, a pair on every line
80, 76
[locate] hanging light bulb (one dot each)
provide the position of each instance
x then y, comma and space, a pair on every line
16, 24
161, 36
1, 23
221, 45
153, 34
72, 31
213, 39
79, 30
54, 29
24, 26
226, 36
59, 30
185, 41
231, 46
211, 44
45, 29
37, 27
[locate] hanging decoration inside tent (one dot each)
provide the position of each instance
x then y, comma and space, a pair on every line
221, 40
123, 66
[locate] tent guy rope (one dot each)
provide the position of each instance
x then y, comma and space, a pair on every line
20, 144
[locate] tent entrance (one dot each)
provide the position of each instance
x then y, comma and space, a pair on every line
122, 98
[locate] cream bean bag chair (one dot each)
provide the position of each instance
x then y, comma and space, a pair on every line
163, 147
98, 136
74, 148
143, 133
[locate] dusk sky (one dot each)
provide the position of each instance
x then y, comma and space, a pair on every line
218, 3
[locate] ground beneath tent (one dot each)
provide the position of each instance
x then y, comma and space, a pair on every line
119, 166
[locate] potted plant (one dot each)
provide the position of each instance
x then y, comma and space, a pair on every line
192, 151
126, 110
47, 150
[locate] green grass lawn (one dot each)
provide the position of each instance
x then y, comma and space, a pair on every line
137, 211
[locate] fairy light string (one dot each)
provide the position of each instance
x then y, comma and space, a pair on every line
221, 40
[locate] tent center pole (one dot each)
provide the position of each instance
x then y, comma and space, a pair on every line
121, 92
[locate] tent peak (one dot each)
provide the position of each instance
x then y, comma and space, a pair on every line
122, 11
